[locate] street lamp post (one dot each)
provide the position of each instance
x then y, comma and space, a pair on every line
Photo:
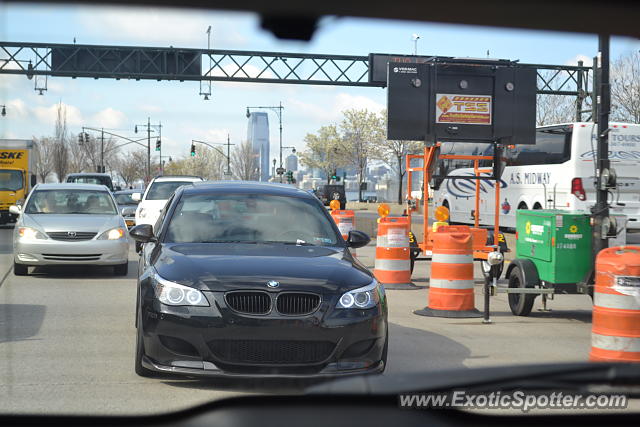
278, 110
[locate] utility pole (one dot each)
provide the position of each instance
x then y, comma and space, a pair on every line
228, 144
160, 151
280, 117
601, 209
102, 150
148, 149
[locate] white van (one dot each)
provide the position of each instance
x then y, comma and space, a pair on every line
558, 172
159, 190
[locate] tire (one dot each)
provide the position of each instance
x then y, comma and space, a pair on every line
520, 304
537, 207
20, 269
121, 270
484, 267
140, 370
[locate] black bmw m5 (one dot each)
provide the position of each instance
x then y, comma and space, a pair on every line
254, 279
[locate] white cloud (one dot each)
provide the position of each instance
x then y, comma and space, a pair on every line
109, 118
333, 111
163, 26
17, 108
49, 114
587, 60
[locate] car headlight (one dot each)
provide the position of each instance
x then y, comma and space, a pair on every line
171, 293
365, 297
142, 213
113, 234
28, 233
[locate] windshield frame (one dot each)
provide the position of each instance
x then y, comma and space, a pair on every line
161, 233
106, 193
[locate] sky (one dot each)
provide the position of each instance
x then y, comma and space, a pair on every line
120, 105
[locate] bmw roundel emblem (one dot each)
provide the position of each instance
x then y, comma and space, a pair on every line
273, 284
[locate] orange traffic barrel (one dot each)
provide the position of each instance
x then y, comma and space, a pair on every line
615, 333
346, 221
451, 283
393, 259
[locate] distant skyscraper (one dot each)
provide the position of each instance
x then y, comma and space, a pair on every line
292, 162
258, 136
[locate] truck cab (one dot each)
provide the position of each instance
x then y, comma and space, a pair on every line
16, 175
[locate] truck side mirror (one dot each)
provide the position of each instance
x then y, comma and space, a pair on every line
16, 210
34, 180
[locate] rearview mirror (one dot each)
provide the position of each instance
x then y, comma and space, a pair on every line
357, 239
15, 209
142, 233
136, 196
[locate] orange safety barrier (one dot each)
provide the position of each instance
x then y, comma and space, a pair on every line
451, 283
346, 221
393, 260
615, 333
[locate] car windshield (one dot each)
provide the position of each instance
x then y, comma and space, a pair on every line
249, 218
10, 180
125, 199
70, 202
162, 190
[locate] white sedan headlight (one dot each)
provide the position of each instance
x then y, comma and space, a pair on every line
28, 233
366, 297
113, 234
171, 293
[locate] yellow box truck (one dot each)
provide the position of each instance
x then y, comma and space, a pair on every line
17, 174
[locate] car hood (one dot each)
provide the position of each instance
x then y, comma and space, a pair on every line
225, 267
72, 222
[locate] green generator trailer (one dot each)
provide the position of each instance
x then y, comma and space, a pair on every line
553, 256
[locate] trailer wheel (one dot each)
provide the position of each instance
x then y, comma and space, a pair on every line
520, 304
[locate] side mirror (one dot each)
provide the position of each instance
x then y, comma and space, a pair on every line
136, 196
16, 210
34, 180
143, 233
357, 239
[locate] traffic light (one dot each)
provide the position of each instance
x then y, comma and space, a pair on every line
158, 145
193, 150
335, 176
290, 179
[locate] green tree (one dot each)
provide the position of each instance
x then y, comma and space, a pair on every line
324, 151
362, 135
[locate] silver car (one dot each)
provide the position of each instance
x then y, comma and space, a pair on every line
69, 224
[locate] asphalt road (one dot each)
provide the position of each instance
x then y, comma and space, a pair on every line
67, 342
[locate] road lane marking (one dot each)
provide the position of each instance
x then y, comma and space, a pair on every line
5, 275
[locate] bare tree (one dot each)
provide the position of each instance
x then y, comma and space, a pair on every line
60, 152
325, 151
94, 150
361, 133
625, 88
553, 109
244, 161
128, 166
207, 163
44, 148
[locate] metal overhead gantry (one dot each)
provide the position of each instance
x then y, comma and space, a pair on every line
169, 63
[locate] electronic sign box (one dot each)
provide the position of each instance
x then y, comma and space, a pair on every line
461, 100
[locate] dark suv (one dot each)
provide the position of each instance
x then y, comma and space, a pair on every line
327, 193
92, 178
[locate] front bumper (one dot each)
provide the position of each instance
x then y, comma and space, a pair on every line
57, 252
184, 341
